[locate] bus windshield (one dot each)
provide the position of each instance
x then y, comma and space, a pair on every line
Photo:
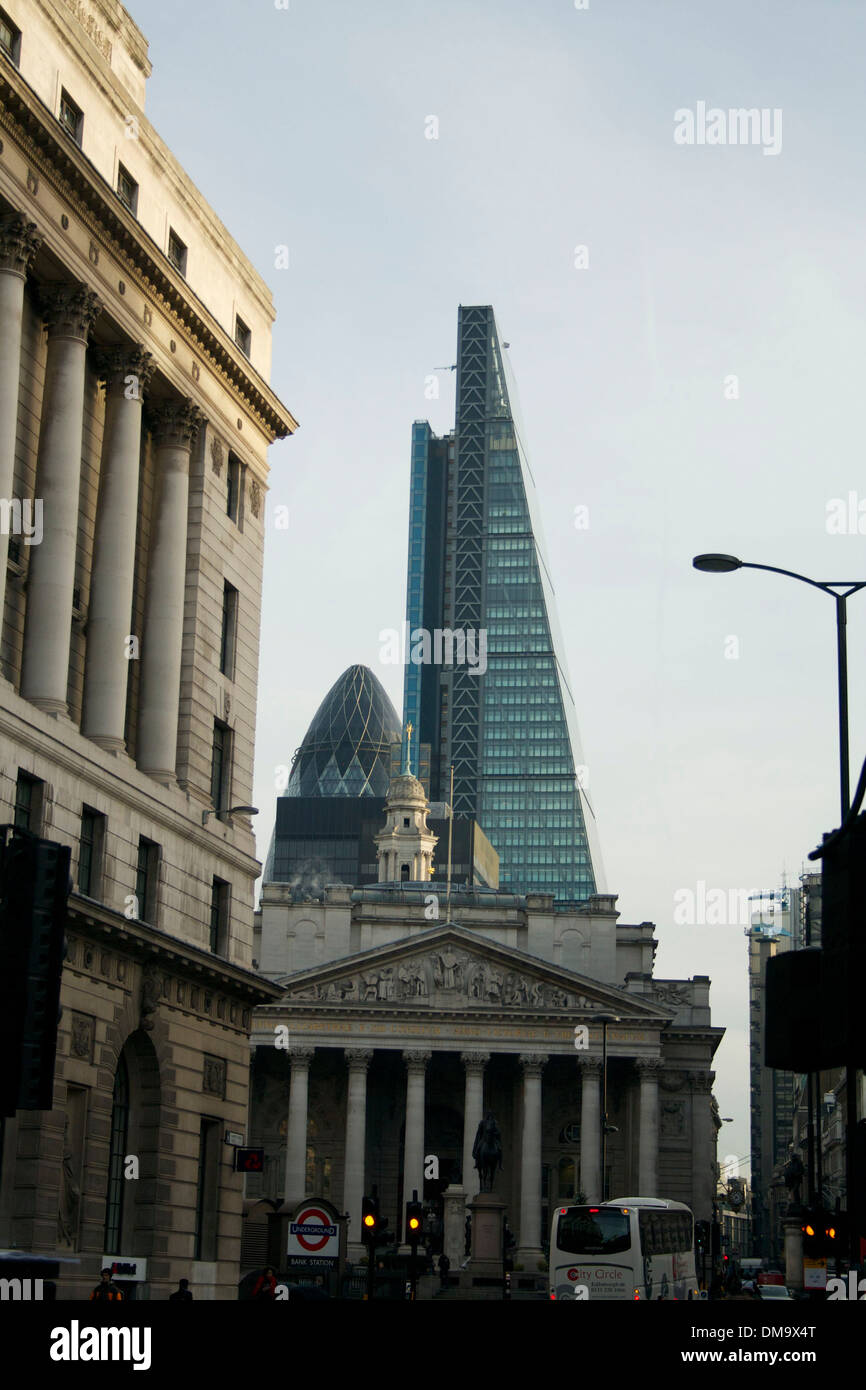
588, 1231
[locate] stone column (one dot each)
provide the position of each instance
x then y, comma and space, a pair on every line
413, 1151
358, 1060
126, 372
296, 1132
174, 425
590, 1129
529, 1244
648, 1135
19, 242
704, 1144
69, 311
473, 1113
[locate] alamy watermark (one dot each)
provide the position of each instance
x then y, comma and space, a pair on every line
21, 518
736, 126
444, 646
714, 907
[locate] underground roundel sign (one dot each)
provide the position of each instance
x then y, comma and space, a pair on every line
312, 1233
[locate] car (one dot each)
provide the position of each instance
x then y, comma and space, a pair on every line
773, 1291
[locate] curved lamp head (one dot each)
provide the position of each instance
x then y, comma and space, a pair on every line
717, 564
231, 811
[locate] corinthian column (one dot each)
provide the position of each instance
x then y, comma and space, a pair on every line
126, 371
590, 1129
358, 1060
529, 1249
413, 1152
648, 1135
296, 1129
69, 311
19, 243
174, 425
473, 1113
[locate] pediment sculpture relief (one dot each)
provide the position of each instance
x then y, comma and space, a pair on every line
445, 976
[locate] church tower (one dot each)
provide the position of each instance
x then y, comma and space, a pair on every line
404, 847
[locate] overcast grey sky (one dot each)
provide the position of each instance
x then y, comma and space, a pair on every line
709, 759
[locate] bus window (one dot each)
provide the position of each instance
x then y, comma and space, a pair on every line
581, 1232
665, 1232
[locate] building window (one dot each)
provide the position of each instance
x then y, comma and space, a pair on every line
243, 337
71, 116
207, 1197
176, 251
28, 802
220, 776
229, 630
10, 38
117, 1153
127, 189
90, 852
219, 917
147, 880
233, 487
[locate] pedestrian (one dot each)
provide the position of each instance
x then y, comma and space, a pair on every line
106, 1289
266, 1284
444, 1266
181, 1293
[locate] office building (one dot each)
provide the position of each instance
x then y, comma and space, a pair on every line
135, 418
487, 684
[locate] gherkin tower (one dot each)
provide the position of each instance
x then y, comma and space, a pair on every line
477, 567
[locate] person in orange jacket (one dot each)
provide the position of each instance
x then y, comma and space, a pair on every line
106, 1288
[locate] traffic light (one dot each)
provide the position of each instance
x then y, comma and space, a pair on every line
369, 1219
843, 885
414, 1217
702, 1235
34, 887
813, 1238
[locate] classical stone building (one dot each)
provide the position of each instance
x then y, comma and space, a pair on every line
403, 1027
135, 416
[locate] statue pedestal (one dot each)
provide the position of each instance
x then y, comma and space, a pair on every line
793, 1235
454, 1238
488, 1219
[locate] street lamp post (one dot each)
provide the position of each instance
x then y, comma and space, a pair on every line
604, 1020
840, 590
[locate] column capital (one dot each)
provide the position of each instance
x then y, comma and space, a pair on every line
358, 1058
116, 364
590, 1065
301, 1056
174, 423
474, 1059
416, 1057
648, 1066
532, 1062
69, 309
19, 242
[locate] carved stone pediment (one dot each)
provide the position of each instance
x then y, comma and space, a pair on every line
450, 969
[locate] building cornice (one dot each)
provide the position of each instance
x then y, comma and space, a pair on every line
61, 162
150, 945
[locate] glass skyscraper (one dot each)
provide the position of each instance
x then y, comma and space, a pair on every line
492, 695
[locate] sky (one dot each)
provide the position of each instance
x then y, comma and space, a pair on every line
688, 335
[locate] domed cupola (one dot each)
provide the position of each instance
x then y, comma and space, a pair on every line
405, 844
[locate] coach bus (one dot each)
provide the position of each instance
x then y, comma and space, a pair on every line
629, 1248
